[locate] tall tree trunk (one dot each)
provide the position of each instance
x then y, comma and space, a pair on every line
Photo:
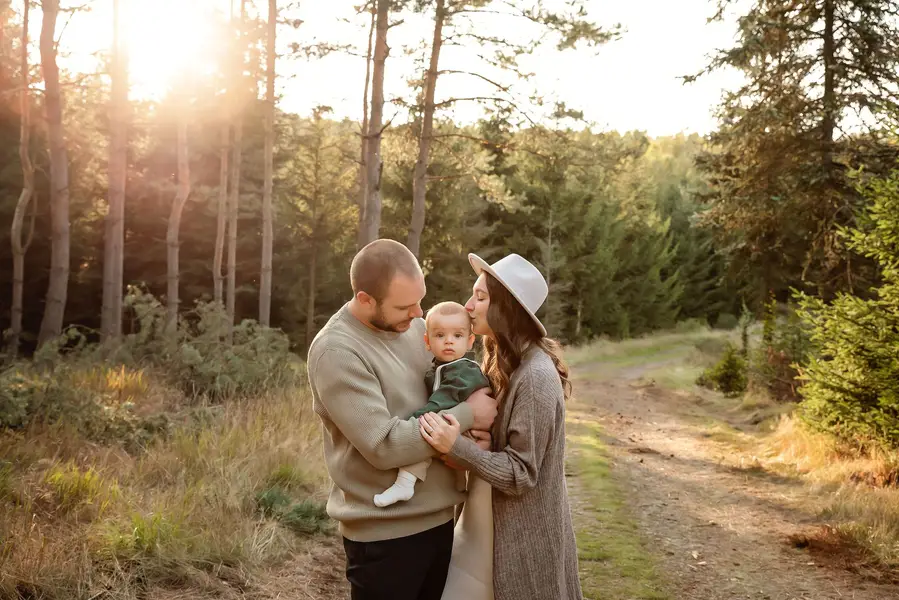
310, 304
313, 258
114, 253
218, 277
18, 248
265, 281
372, 221
174, 228
236, 161
828, 123
419, 176
363, 170
55, 307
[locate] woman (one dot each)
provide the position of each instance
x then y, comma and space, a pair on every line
534, 552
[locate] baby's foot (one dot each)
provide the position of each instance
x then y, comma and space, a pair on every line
403, 489
393, 494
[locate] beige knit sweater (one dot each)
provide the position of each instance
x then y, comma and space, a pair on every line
365, 385
534, 551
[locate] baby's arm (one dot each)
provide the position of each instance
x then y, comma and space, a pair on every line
456, 385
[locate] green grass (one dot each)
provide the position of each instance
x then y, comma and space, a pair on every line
615, 563
645, 349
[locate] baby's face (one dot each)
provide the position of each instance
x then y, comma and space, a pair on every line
449, 337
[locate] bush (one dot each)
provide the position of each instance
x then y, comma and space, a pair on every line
199, 359
728, 376
691, 326
726, 321
851, 384
776, 364
99, 390
306, 517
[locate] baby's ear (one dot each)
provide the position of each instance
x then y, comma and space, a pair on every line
470, 341
427, 341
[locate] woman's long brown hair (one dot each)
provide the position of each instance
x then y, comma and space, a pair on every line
513, 332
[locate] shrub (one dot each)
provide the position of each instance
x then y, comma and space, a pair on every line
786, 345
199, 359
99, 389
726, 321
306, 517
728, 376
851, 385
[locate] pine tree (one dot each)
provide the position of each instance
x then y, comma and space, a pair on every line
851, 385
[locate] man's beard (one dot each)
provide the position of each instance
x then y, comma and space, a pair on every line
379, 322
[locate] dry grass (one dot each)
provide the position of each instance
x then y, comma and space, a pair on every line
860, 488
78, 518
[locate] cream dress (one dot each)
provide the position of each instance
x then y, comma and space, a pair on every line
470, 574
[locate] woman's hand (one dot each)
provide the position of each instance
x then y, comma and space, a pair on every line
440, 432
481, 438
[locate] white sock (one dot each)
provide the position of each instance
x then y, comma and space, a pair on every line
403, 489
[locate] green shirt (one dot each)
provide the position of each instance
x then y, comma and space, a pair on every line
451, 383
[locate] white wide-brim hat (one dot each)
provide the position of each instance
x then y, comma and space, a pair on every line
523, 280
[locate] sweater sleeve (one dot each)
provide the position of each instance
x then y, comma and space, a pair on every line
516, 468
352, 398
456, 385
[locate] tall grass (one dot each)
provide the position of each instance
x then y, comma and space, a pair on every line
860, 487
79, 518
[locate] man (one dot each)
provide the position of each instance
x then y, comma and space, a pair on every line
366, 370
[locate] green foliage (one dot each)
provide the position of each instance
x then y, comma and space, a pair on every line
73, 487
99, 390
305, 517
777, 165
726, 321
729, 375
69, 393
851, 383
147, 535
785, 346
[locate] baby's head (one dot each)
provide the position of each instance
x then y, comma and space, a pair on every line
448, 335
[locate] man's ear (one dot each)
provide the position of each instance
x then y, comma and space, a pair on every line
427, 341
365, 299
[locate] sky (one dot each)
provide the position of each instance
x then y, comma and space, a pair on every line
630, 83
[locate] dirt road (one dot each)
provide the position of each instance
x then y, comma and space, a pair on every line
718, 531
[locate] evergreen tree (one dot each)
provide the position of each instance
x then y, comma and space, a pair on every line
852, 384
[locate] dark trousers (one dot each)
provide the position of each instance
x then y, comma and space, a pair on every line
407, 568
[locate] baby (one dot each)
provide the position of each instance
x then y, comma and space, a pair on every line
452, 378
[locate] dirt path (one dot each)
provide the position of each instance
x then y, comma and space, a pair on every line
719, 532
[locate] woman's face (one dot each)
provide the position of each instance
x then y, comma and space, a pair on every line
477, 307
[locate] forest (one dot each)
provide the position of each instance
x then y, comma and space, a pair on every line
171, 252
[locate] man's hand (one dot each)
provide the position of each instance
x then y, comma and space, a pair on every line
481, 438
483, 406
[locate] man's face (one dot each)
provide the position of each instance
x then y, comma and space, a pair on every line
400, 306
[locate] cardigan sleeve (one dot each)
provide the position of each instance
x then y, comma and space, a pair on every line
516, 468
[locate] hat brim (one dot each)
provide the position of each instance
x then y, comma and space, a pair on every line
481, 266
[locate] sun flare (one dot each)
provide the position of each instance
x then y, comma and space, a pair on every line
169, 41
